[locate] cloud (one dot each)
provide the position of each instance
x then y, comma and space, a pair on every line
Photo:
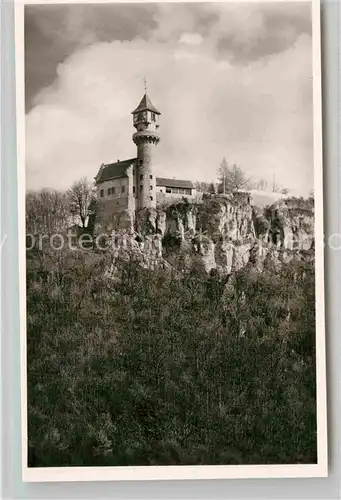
244, 35
191, 38
257, 114
54, 32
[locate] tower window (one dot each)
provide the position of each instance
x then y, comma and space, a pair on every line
150, 177
123, 189
151, 198
141, 177
141, 187
134, 189
140, 162
153, 117
102, 193
150, 188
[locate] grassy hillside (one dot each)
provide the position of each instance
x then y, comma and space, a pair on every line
153, 368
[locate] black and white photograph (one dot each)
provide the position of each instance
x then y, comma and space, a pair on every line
170, 162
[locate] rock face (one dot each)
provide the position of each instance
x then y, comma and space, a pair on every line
220, 232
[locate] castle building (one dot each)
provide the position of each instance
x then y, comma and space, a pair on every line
127, 186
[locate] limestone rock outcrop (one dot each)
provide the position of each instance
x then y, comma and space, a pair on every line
220, 232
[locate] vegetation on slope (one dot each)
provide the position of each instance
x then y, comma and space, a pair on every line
154, 368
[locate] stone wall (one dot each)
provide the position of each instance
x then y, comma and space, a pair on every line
145, 179
115, 213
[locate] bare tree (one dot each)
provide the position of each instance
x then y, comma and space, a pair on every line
261, 184
223, 172
47, 211
202, 186
212, 188
81, 199
276, 188
231, 178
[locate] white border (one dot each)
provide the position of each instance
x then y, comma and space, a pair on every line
50, 474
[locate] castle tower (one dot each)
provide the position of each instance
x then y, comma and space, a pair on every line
146, 137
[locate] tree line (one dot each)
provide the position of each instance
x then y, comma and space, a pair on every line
49, 210
231, 178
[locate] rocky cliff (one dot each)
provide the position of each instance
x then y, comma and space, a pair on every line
220, 232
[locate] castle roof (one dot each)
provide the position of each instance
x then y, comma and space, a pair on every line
176, 183
113, 170
118, 170
146, 105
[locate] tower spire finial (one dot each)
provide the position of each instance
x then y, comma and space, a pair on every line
145, 84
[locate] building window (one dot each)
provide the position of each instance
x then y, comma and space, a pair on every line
150, 177
113, 190
134, 189
102, 193
153, 117
123, 189
109, 191
151, 198
141, 177
141, 187
140, 162
177, 190
150, 188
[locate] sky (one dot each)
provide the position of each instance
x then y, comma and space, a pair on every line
231, 80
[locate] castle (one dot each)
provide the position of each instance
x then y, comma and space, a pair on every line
126, 187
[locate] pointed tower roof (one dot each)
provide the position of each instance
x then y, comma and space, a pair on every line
146, 105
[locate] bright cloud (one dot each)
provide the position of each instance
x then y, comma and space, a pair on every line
191, 38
